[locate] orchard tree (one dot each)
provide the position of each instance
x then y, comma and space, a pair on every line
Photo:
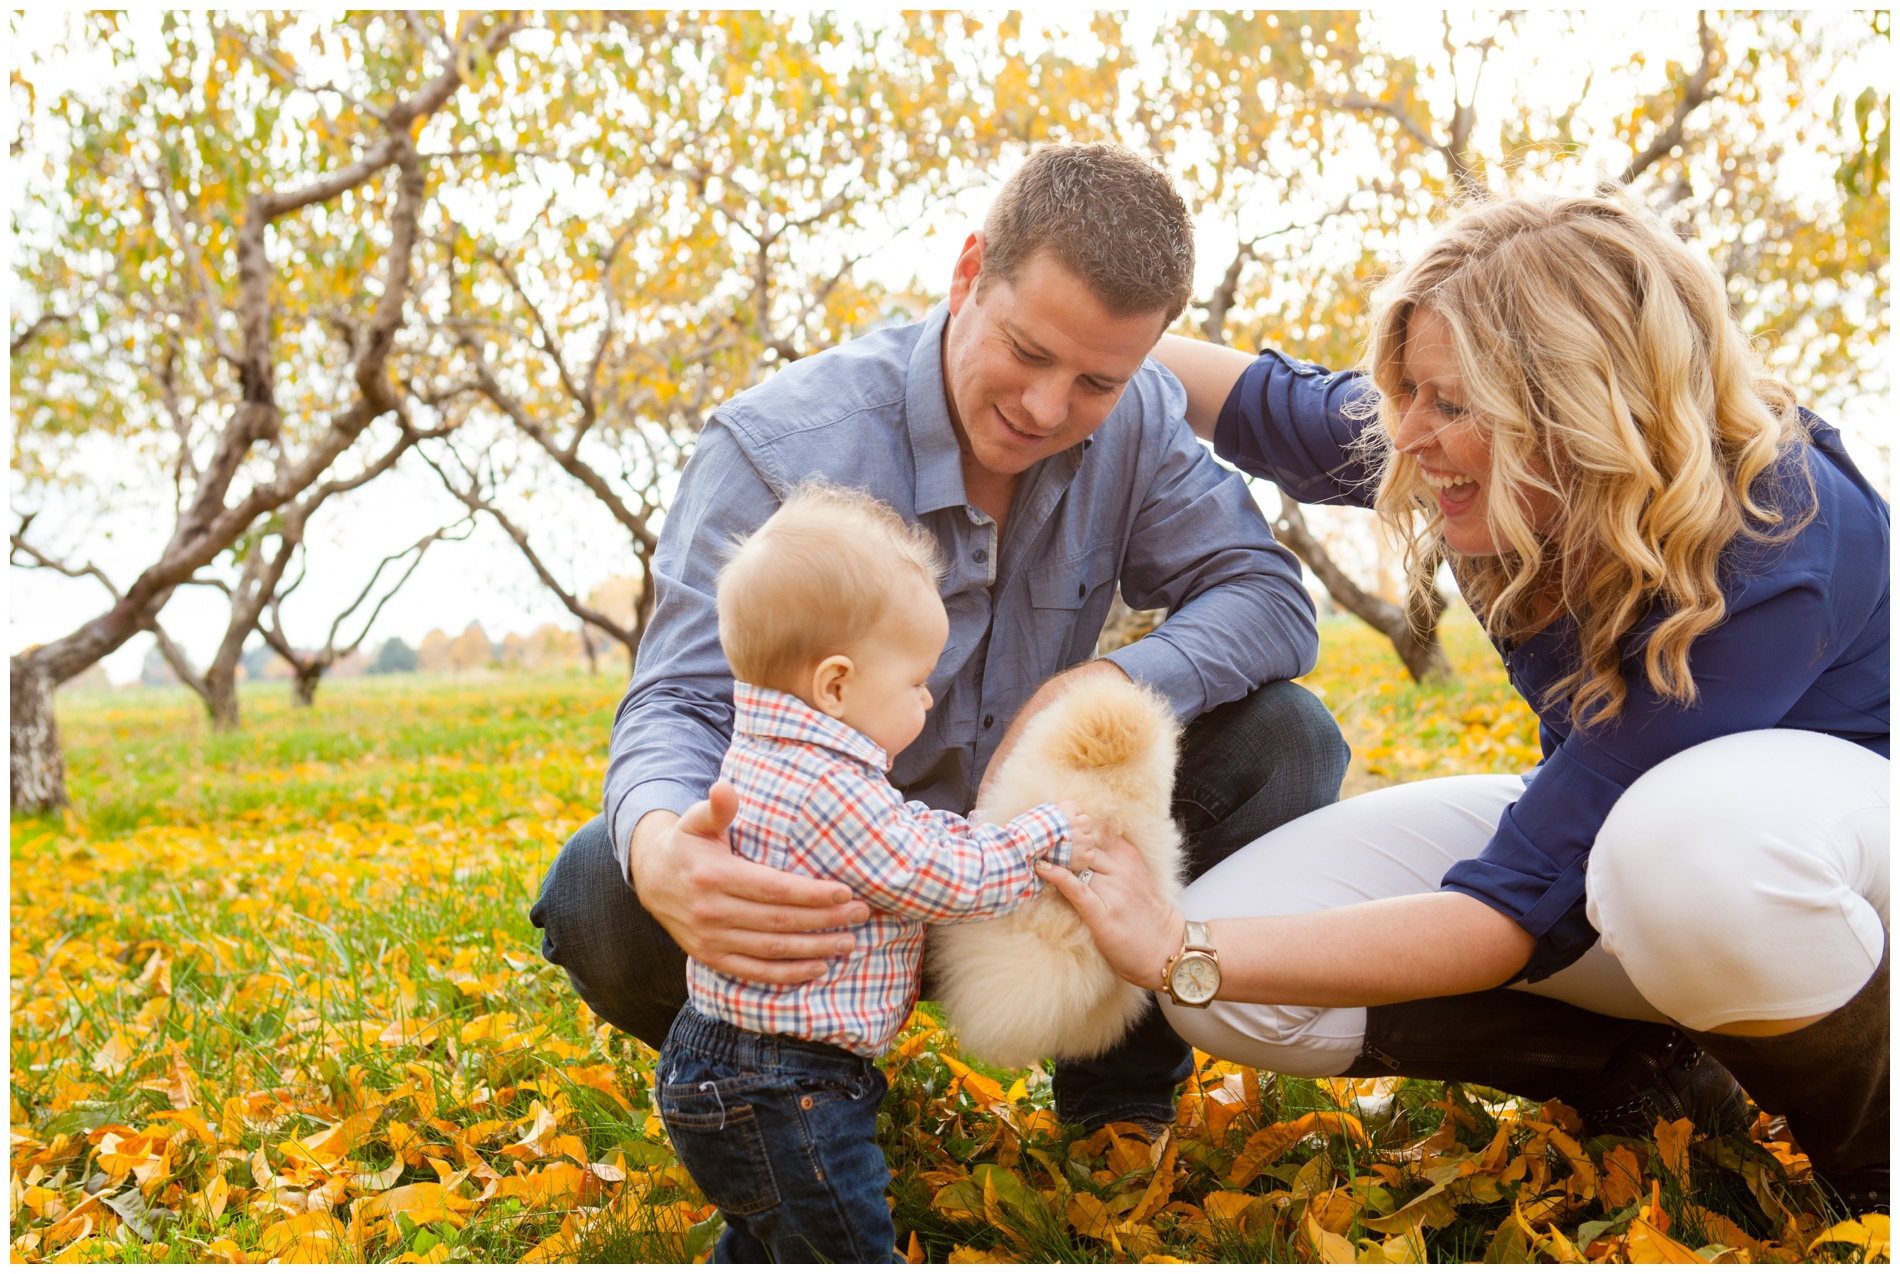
721, 177
220, 258
1329, 153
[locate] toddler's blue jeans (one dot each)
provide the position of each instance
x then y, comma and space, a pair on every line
781, 1134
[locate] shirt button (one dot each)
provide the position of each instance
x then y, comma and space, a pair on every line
980, 556
1081, 591
988, 721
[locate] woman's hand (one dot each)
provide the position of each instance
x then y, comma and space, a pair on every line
1134, 927
739, 917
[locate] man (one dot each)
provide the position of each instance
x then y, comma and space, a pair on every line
1022, 425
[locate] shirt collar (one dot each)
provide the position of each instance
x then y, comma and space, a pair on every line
773, 714
933, 440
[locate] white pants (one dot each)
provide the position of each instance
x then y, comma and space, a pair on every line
1745, 878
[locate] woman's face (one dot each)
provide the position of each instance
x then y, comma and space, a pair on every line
1452, 446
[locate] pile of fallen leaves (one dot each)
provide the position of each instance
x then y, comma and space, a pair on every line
275, 996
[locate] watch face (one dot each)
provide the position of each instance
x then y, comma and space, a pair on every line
1195, 979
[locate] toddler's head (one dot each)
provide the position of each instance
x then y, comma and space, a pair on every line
834, 600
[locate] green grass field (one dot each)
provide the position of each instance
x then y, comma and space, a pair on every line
275, 995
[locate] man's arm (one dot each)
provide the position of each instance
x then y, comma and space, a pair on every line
733, 915
675, 722
669, 736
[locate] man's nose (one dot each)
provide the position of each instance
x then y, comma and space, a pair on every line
1046, 400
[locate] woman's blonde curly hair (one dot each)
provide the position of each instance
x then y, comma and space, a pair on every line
1599, 352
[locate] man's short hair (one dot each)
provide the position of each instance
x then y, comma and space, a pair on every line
814, 580
1108, 215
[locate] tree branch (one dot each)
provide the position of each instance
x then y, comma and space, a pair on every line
179, 661
476, 503
41, 561
25, 337
1695, 91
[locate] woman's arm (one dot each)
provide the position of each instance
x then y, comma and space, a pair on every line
1207, 371
1272, 416
1379, 952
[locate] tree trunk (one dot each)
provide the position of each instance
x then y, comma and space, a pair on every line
216, 685
221, 698
304, 689
37, 769
1412, 629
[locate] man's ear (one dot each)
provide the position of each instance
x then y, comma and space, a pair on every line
969, 266
827, 684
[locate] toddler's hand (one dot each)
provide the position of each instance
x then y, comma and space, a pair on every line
1084, 837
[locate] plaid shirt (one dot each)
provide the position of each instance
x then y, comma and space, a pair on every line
813, 799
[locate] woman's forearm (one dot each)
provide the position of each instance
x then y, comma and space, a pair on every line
1380, 952
1207, 371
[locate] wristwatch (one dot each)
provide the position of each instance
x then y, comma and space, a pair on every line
1192, 977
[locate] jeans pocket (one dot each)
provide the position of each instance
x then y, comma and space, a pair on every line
717, 1136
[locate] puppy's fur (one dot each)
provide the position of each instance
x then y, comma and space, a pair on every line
1031, 984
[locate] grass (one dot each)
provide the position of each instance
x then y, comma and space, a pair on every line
275, 995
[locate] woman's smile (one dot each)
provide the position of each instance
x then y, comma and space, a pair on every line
1456, 492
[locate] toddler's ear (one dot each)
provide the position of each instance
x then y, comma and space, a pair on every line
828, 681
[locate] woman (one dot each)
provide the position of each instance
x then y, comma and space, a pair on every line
1687, 579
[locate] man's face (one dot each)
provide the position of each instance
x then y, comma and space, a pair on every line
1033, 367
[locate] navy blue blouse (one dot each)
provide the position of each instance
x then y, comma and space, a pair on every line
1804, 645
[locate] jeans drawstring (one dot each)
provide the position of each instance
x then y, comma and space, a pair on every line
710, 1086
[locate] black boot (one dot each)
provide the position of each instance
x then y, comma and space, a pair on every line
1829, 1080
1620, 1076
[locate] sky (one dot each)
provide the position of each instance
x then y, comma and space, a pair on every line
483, 578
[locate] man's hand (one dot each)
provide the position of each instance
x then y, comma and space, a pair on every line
735, 916
1047, 693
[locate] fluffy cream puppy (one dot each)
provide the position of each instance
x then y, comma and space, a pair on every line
1031, 984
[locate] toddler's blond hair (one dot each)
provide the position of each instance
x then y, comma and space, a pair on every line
814, 580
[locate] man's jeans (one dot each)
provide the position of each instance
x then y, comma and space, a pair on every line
1246, 767
780, 1134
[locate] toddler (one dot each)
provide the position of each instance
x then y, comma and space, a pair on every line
830, 618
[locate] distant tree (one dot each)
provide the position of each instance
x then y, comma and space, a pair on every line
156, 670
218, 227
256, 659
433, 654
471, 650
742, 163
309, 666
394, 655
1696, 124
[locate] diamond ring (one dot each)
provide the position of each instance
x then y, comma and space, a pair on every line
1086, 875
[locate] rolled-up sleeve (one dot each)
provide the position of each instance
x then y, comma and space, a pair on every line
1304, 428
675, 722
1749, 671
1238, 613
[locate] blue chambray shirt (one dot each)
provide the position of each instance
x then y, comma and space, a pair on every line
1141, 503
